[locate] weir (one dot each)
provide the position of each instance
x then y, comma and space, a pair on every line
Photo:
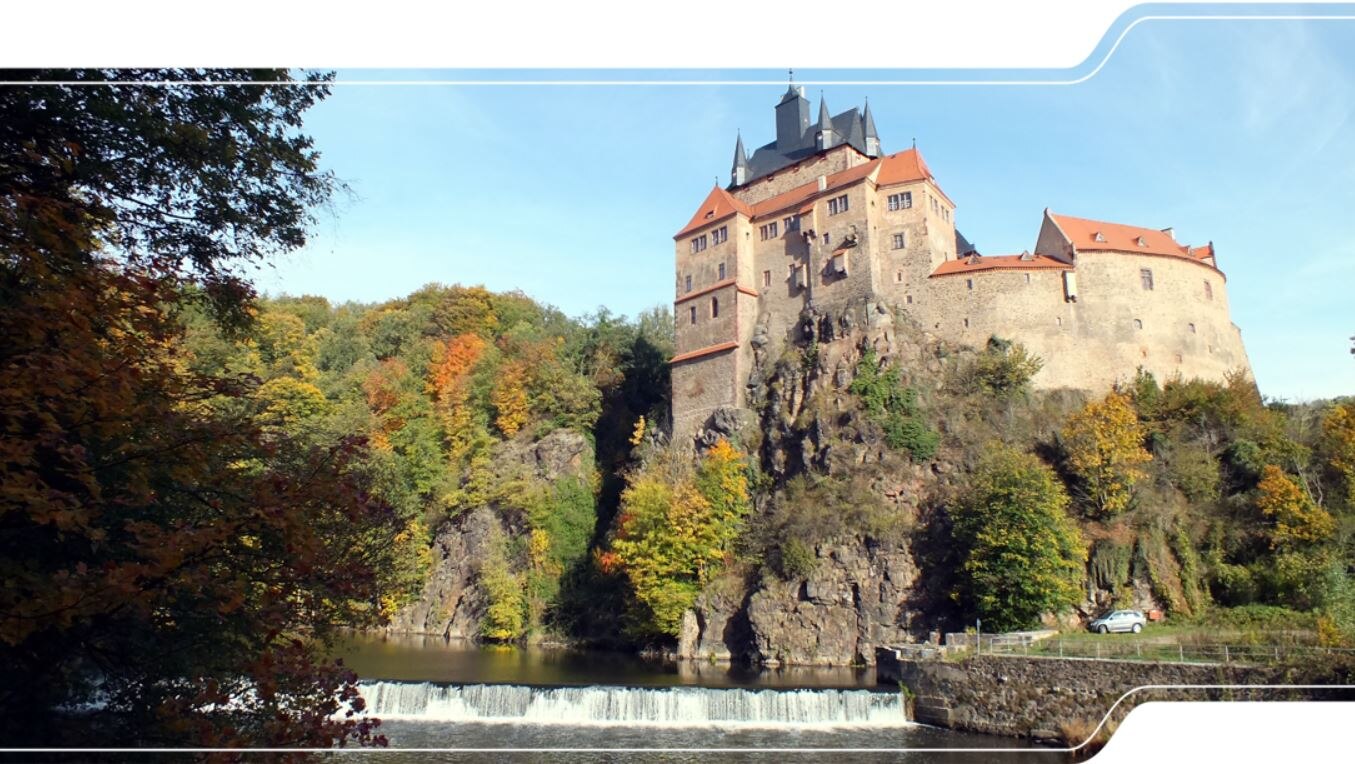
675, 706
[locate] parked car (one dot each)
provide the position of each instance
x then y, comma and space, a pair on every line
1119, 620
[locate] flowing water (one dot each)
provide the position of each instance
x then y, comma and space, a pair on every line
498, 704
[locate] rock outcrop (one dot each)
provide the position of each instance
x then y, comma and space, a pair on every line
452, 602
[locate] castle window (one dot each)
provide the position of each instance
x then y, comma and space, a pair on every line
720, 235
966, 323
838, 263
1138, 324
969, 284
1192, 328
715, 307
827, 238
699, 243
1027, 278
693, 309
901, 201
766, 278
837, 205
722, 271
1058, 320
1146, 277
910, 299
900, 241
769, 231
792, 223
898, 277
1208, 290
688, 284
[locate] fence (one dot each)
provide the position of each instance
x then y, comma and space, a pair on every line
1142, 650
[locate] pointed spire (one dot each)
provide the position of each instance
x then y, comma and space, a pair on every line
739, 174
872, 137
825, 122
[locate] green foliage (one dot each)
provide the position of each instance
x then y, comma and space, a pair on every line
796, 559
813, 510
506, 612
893, 407
1022, 554
1108, 563
1003, 369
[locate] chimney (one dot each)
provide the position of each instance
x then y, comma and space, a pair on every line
1170, 232
823, 183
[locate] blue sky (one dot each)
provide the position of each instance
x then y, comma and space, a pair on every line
1237, 131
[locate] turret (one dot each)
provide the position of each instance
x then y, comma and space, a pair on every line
739, 174
824, 135
872, 137
792, 120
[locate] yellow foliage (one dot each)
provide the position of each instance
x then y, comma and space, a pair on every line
510, 399
1298, 521
1337, 446
638, 435
1104, 443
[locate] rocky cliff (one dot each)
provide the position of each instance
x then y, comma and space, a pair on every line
454, 601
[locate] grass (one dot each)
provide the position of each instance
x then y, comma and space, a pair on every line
1181, 641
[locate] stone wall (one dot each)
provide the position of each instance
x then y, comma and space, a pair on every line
1038, 697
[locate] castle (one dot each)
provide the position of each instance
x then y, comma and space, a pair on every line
821, 216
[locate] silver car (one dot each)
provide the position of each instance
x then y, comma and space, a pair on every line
1119, 620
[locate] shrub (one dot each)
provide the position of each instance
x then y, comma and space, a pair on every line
1003, 369
796, 559
893, 407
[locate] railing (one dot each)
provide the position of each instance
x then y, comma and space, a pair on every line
1108, 648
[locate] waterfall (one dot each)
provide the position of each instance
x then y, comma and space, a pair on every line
675, 706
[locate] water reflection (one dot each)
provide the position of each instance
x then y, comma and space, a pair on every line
434, 659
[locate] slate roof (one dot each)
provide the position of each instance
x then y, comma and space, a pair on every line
849, 126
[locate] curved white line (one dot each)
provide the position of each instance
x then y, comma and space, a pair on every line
691, 83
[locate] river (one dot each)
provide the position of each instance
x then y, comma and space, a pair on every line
431, 694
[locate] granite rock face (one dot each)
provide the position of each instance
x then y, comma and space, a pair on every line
452, 601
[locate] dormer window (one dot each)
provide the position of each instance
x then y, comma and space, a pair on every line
1140, 241
1098, 237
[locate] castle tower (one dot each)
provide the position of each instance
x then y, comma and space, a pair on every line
738, 175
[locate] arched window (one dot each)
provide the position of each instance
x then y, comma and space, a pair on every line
715, 307
1138, 324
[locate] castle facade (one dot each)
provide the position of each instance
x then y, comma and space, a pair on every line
821, 216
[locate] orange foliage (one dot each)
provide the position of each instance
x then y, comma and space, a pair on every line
510, 398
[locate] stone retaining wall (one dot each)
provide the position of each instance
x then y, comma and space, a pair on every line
1038, 697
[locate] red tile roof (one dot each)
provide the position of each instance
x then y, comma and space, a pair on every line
679, 358
975, 263
903, 167
1203, 253
1115, 237
787, 199
719, 204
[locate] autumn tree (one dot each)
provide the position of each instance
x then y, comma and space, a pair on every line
158, 551
1295, 520
675, 529
1022, 554
1104, 447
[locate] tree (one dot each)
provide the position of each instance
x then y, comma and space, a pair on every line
1297, 521
1023, 556
1336, 448
155, 547
1104, 447
676, 528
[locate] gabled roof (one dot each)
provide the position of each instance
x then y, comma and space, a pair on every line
1100, 236
719, 204
1023, 262
904, 167
1203, 253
